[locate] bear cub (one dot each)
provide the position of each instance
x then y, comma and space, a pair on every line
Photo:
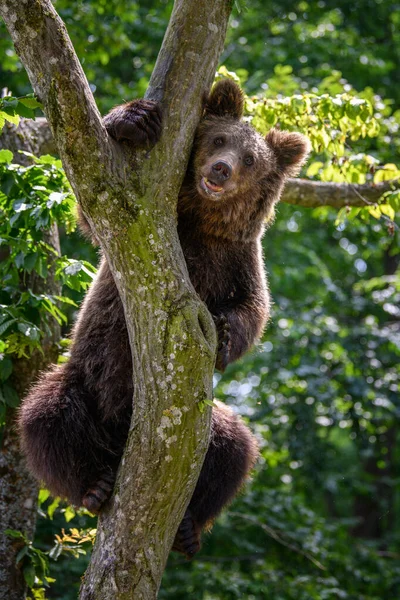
75, 420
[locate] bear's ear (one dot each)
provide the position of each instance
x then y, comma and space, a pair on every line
225, 100
290, 149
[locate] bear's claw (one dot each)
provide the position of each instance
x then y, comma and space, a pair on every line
99, 493
187, 539
224, 341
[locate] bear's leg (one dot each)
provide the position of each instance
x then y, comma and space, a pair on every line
232, 453
65, 443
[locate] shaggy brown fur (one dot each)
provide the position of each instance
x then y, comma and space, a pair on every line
75, 420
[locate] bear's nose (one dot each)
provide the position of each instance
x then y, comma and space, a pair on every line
221, 170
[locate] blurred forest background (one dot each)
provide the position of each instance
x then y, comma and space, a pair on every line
321, 517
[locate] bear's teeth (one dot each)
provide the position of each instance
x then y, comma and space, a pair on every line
212, 186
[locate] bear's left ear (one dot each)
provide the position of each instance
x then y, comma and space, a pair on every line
290, 149
225, 100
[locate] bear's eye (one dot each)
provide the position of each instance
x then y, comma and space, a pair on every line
248, 161
219, 141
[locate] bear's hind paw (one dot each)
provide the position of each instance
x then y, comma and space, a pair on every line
98, 494
187, 539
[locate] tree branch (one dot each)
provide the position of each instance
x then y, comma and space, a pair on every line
312, 194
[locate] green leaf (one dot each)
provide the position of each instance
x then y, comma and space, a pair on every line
53, 507
41, 267
29, 575
19, 259
14, 533
387, 210
29, 330
9, 395
24, 111
21, 554
6, 325
30, 261
14, 119
6, 368
6, 156
43, 495
30, 101
314, 168
69, 513
38, 593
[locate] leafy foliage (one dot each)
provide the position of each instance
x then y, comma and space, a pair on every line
35, 565
32, 199
11, 109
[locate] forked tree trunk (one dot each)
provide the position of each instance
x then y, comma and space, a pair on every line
18, 489
130, 200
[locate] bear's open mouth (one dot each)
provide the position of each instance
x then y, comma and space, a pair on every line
210, 187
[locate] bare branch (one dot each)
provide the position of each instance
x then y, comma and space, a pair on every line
312, 194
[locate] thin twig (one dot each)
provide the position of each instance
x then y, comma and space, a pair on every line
277, 537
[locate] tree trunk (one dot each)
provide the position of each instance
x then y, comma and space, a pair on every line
130, 201
18, 489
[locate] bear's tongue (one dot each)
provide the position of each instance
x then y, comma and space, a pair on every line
212, 186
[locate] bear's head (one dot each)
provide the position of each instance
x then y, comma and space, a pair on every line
230, 158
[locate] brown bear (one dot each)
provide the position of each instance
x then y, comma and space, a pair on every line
75, 420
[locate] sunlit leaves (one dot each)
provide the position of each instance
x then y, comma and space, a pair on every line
334, 124
11, 109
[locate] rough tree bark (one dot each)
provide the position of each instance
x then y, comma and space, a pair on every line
130, 201
18, 489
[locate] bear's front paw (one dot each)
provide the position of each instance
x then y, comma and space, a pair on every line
187, 539
224, 341
99, 493
139, 122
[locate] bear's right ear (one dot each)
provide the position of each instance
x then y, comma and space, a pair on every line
225, 100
